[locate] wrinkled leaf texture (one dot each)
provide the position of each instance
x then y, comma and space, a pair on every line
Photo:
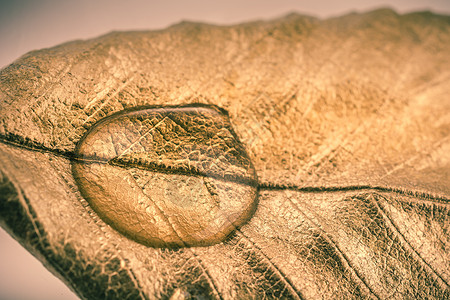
347, 123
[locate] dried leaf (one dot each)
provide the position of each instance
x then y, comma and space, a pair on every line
346, 122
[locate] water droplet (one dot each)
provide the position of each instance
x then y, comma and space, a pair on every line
167, 176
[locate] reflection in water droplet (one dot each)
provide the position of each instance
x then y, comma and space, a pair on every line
167, 177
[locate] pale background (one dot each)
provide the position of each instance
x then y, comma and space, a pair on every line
27, 25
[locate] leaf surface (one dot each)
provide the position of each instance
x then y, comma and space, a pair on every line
346, 122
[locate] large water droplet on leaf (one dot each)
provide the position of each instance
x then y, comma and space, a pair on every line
167, 177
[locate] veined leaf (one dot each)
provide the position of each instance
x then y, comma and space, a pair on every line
340, 126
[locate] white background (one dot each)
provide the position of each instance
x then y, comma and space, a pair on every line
27, 25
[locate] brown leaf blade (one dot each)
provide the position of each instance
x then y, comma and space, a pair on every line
346, 122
